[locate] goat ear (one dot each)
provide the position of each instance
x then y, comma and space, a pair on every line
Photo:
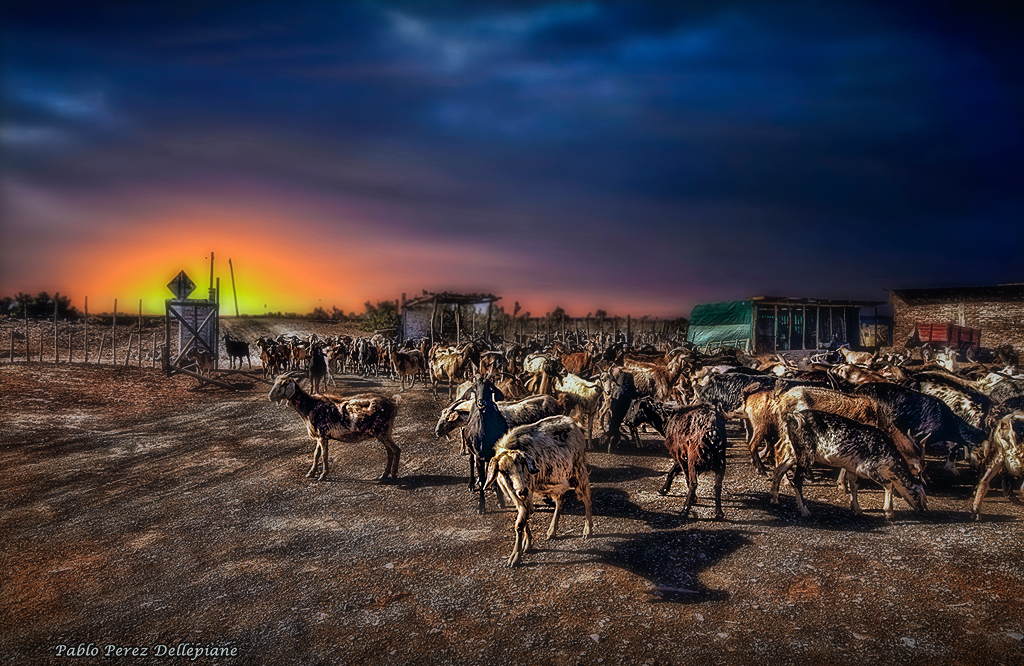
289, 389
531, 465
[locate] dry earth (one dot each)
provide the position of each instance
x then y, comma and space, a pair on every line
139, 512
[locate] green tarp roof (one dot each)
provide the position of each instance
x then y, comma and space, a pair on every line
719, 314
715, 323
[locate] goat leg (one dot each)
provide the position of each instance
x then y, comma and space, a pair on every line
583, 492
979, 496
481, 473
553, 529
675, 469
1008, 489
691, 489
780, 471
852, 480
719, 477
798, 489
754, 441
319, 452
316, 460
391, 469
522, 527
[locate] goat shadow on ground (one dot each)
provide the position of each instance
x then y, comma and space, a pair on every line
824, 515
626, 447
615, 503
672, 561
623, 473
412, 481
940, 482
213, 388
352, 384
957, 517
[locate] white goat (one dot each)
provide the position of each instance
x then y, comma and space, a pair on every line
582, 399
1004, 452
547, 458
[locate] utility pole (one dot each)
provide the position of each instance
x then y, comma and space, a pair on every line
233, 291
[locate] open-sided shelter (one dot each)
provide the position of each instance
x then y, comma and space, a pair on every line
766, 324
421, 315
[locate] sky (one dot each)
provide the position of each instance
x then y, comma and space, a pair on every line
634, 157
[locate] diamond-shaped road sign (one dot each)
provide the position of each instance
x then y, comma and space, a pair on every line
182, 286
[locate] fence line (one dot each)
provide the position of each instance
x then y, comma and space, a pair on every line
30, 344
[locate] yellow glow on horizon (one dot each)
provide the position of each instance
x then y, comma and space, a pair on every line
273, 269
285, 260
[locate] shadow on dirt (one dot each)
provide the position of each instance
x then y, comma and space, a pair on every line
672, 561
623, 473
429, 480
615, 503
824, 515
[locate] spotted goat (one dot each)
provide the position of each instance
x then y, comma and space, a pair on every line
352, 419
546, 458
862, 450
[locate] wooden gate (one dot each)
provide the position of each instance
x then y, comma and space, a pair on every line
198, 329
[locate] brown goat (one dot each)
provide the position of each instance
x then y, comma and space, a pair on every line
352, 419
695, 438
203, 360
448, 364
408, 362
767, 408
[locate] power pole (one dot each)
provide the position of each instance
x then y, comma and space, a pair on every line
233, 291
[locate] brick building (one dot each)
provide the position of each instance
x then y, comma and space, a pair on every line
997, 311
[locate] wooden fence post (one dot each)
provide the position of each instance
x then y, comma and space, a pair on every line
140, 332
86, 339
128, 353
113, 337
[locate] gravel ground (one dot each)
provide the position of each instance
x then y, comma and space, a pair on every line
140, 512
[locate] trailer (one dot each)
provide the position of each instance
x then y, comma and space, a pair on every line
964, 340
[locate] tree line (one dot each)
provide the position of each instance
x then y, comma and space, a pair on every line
38, 306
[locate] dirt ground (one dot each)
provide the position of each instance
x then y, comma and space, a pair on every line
139, 512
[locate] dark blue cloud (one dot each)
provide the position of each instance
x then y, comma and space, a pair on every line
817, 136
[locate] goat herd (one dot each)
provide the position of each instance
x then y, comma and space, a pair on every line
527, 414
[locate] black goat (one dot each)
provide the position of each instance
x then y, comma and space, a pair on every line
620, 390
482, 431
236, 349
318, 370
927, 418
724, 391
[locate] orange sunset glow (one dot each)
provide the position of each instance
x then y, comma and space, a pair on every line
283, 262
